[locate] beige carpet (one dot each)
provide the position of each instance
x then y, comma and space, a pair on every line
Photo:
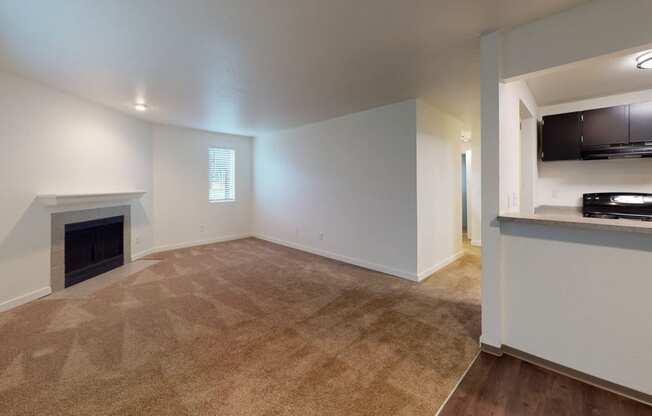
243, 328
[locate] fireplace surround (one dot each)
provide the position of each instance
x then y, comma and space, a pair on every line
88, 242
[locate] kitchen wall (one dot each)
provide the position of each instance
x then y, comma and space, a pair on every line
563, 183
345, 188
591, 29
529, 158
438, 188
567, 295
580, 298
564, 289
517, 104
183, 215
51, 142
526, 182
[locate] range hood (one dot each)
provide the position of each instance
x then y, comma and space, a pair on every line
628, 151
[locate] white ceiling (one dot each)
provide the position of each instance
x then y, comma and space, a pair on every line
250, 66
602, 76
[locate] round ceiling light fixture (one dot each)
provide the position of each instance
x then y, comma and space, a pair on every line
140, 107
644, 61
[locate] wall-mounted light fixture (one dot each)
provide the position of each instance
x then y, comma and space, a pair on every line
465, 136
140, 107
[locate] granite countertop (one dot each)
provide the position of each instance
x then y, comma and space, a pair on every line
572, 217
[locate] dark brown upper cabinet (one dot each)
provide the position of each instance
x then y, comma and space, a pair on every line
605, 126
640, 123
561, 137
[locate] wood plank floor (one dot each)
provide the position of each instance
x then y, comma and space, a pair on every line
507, 386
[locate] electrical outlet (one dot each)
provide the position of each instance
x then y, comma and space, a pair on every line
321, 236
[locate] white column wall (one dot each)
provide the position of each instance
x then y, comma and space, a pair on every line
492, 287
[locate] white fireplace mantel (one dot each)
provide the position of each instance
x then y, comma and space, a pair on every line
54, 200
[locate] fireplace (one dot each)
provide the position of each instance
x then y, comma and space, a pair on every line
71, 229
92, 248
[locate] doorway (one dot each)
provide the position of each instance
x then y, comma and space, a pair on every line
465, 211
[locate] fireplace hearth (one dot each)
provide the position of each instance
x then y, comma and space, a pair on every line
92, 248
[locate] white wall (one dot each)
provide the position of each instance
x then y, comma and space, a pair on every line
476, 184
563, 183
491, 101
515, 95
595, 28
183, 215
352, 179
346, 188
529, 158
51, 142
581, 299
438, 188
501, 109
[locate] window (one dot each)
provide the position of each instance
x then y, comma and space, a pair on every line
221, 175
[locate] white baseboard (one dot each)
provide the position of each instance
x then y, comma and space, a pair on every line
187, 244
426, 273
339, 257
144, 253
492, 343
28, 297
477, 243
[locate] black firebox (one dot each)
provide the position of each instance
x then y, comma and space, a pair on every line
93, 247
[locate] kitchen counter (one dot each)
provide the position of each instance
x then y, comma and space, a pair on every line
572, 217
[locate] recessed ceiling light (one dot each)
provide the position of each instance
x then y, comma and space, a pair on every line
140, 106
644, 61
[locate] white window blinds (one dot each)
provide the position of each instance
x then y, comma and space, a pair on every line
221, 175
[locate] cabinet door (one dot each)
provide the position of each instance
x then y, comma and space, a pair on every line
560, 137
605, 126
640, 122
